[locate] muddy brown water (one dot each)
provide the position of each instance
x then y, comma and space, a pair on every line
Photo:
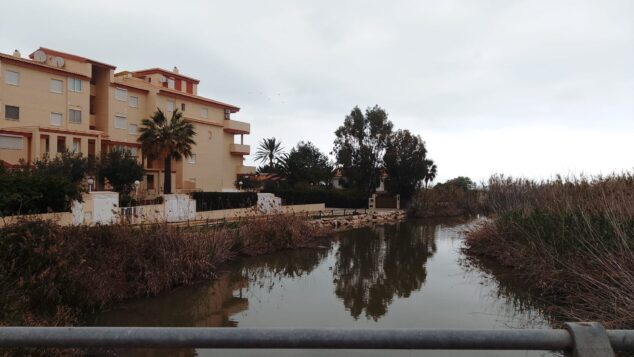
412, 275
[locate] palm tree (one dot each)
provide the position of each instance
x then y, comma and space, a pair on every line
168, 139
431, 172
268, 150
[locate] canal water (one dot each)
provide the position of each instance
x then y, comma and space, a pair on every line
408, 275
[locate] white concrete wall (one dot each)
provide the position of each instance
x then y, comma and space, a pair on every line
179, 207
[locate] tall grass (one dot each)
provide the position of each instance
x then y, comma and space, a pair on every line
52, 275
570, 239
448, 201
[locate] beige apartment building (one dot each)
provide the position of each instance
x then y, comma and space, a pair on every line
53, 101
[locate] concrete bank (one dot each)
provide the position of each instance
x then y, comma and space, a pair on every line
368, 219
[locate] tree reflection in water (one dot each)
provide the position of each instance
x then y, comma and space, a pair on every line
374, 265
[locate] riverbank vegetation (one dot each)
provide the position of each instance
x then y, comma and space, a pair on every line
53, 275
456, 197
570, 240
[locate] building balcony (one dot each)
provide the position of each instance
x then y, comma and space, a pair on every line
245, 170
236, 127
93, 120
239, 149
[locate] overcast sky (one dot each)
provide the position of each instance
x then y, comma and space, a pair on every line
529, 88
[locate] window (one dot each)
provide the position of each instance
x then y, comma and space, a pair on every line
169, 106
133, 101
132, 151
61, 144
120, 122
11, 112
74, 84
56, 119
10, 142
204, 112
57, 86
121, 94
12, 77
150, 181
133, 129
183, 106
74, 116
76, 145
170, 83
192, 159
227, 114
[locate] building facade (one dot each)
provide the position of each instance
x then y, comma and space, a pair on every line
53, 101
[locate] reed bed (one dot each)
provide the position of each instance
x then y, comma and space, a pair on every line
569, 239
52, 275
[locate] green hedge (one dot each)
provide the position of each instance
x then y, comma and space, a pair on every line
332, 198
211, 201
28, 193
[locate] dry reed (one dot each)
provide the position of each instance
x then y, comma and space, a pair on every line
569, 239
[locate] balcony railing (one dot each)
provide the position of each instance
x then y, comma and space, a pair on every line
236, 127
239, 149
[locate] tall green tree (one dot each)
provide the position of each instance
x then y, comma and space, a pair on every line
305, 164
170, 139
406, 163
462, 182
269, 150
121, 169
359, 146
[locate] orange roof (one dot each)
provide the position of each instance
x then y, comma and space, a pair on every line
71, 57
163, 71
24, 62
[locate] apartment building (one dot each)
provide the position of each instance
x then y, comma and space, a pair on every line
53, 101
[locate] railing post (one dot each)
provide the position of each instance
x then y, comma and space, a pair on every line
589, 339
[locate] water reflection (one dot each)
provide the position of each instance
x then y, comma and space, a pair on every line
209, 304
375, 265
407, 275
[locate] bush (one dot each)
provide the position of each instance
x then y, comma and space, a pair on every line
211, 201
331, 198
26, 192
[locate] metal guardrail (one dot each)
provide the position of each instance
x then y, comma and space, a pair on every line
578, 339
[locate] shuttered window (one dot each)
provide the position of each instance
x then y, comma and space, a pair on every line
74, 116
56, 119
120, 122
11, 142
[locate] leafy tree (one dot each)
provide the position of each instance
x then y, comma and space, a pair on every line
406, 163
73, 166
305, 164
41, 189
359, 146
121, 169
269, 150
168, 139
461, 182
380, 265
